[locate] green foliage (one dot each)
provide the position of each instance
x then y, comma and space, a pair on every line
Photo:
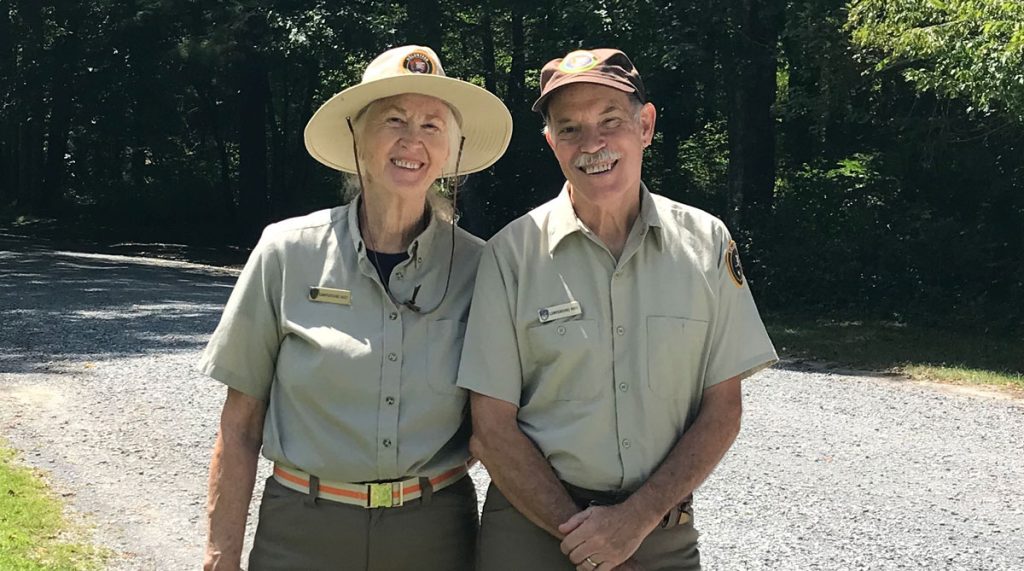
135, 119
830, 241
967, 49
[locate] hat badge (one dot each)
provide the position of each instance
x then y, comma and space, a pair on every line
578, 61
418, 62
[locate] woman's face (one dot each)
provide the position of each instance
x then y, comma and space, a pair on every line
405, 143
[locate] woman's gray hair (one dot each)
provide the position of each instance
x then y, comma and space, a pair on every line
439, 194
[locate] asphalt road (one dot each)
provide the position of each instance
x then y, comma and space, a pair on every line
98, 388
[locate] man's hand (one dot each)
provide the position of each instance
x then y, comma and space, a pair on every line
608, 535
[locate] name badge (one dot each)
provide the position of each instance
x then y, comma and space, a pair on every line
559, 311
330, 295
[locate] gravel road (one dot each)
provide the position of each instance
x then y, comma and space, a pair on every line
98, 388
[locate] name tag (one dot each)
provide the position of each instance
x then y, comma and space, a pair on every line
330, 295
559, 311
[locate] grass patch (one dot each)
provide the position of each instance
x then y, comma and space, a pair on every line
33, 532
925, 353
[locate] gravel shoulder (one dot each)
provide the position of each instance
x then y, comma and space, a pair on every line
98, 387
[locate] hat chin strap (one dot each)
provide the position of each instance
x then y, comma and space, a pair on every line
411, 303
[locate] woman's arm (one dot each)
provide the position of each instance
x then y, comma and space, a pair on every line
232, 477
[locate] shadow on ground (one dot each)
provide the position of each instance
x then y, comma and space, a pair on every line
57, 307
885, 346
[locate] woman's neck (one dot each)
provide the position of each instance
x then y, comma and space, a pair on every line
389, 223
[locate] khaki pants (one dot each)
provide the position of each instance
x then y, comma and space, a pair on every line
435, 533
510, 542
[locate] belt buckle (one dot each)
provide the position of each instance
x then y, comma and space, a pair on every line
383, 495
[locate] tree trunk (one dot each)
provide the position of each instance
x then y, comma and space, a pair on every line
226, 196
7, 142
52, 188
487, 52
277, 122
30, 131
252, 147
517, 72
62, 88
804, 78
751, 125
304, 161
423, 23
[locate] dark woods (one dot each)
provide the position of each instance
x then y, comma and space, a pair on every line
847, 186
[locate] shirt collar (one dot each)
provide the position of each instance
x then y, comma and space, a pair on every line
563, 220
418, 248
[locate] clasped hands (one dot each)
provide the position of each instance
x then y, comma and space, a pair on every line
603, 538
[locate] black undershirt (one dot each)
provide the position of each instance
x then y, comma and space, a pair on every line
385, 263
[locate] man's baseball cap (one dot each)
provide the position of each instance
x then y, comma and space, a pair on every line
603, 66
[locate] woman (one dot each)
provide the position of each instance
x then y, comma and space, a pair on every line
341, 341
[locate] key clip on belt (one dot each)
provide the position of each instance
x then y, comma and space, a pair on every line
385, 495
677, 515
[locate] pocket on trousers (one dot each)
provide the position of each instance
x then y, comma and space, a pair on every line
675, 350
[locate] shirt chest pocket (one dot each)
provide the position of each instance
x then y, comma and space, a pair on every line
444, 348
675, 350
563, 354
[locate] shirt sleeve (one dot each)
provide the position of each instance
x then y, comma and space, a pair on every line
739, 344
490, 357
242, 352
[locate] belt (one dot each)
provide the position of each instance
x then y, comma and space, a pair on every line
680, 514
371, 495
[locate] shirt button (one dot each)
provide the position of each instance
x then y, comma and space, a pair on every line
390, 401
623, 387
618, 274
393, 315
419, 260
392, 357
399, 275
620, 330
560, 330
625, 443
387, 443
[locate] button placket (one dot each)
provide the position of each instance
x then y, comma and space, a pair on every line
624, 400
391, 382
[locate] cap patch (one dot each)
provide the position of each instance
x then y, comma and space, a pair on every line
578, 61
418, 62
732, 261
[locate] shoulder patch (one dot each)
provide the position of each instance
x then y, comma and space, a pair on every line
732, 262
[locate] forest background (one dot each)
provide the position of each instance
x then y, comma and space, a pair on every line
868, 155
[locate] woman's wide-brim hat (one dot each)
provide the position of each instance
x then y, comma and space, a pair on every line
485, 121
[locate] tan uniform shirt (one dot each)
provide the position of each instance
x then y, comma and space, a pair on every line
605, 391
359, 390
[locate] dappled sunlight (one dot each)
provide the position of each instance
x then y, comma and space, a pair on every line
89, 307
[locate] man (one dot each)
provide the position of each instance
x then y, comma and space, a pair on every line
609, 332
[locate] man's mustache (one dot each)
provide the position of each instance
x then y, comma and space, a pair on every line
602, 156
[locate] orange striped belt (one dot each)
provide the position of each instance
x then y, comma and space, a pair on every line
383, 495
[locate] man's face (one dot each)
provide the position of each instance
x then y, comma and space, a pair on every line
598, 138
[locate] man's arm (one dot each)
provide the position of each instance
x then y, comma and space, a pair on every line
232, 477
612, 534
516, 465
